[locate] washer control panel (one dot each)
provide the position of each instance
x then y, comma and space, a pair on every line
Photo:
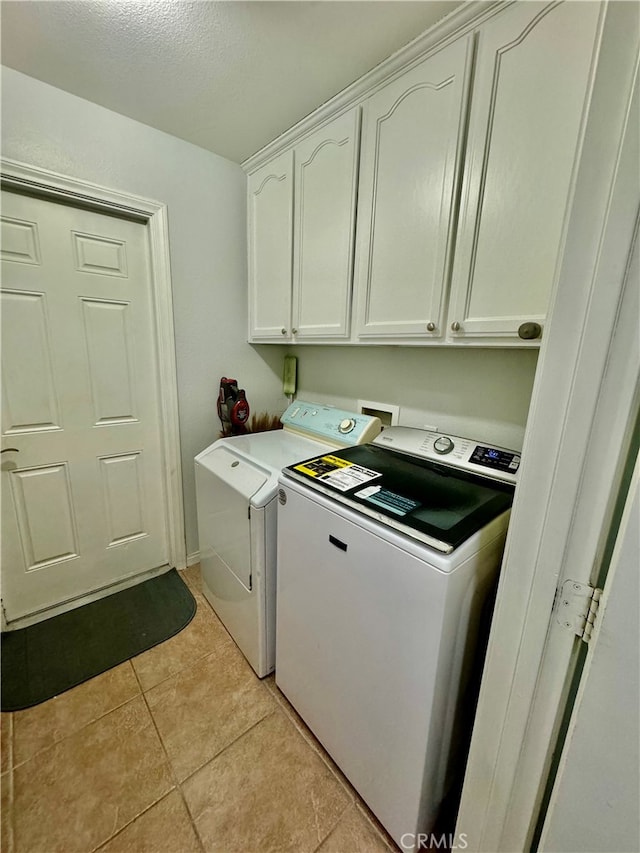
464, 453
347, 425
326, 423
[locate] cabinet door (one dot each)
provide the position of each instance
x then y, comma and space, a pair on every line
412, 140
326, 172
531, 84
270, 202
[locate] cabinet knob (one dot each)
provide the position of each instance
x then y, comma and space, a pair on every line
283, 331
529, 331
431, 327
294, 331
455, 326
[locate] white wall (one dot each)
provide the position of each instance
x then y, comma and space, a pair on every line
483, 393
43, 126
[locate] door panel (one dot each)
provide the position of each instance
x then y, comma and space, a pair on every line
108, 338
83, 497
45, 515
25, 334
122, 483
412, 141
594, 804
531, 80
326, 172
270, 237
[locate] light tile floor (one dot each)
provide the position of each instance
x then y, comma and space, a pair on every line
180, 750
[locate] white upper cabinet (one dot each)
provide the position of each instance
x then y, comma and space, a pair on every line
326, 174
270, 200
301, 233
531, 85
464, 177
413, 131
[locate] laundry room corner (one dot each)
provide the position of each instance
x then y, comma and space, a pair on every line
479, 392
45, 127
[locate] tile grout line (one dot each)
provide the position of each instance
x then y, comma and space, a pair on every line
155, 802
178, 784
106, 841
348, 803
224, 749
12, 792
335, 826
194, 660
157, 731
75, 731
191, 819
378, 830
194, 591
319, 751
191, 661
317, 747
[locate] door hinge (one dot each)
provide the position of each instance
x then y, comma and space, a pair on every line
577, 607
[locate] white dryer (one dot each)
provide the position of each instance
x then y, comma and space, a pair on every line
236, 487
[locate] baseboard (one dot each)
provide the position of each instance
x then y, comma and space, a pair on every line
192, 559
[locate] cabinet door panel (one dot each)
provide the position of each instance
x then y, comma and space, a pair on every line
412, 137
532, 77
326, 169
269, 216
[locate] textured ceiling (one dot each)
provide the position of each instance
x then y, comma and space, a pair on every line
228, 76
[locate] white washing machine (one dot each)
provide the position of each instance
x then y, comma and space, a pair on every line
386, 556
236, 487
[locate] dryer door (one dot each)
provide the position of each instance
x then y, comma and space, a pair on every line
225, 484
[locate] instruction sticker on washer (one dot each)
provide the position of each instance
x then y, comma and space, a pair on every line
337, 473
391, 501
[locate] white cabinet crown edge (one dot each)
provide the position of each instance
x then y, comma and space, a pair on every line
461, 20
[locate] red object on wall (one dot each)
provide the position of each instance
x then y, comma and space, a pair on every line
233, 407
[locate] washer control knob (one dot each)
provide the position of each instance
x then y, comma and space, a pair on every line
346, 425
443, 445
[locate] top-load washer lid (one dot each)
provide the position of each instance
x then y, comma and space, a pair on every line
432, 502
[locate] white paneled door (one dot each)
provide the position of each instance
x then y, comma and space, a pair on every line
83, 504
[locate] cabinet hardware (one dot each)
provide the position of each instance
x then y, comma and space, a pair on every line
294, 331
455, 326
529, 331
431, 327
10, 450
283, 331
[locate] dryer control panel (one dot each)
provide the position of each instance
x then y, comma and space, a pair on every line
326, 423
467, 454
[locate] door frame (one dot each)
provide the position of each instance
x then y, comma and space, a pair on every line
44, 183
579, 428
